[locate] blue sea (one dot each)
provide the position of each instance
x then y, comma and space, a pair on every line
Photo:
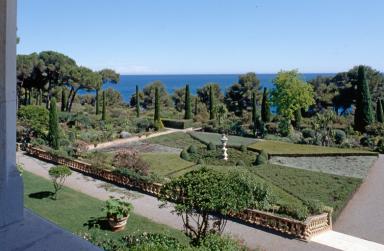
128, 83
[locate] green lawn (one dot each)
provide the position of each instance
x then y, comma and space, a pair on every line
74, 211
165, 164
332, 190
178, 140
207, 137
284, 148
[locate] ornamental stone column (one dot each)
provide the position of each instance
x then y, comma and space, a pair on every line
11, 186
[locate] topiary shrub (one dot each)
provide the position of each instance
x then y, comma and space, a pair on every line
192, 149
262, 158
243, 148
200, 162
340, 136
308, 133
211, 146
380, 146
240, 163
184, 155
158, 125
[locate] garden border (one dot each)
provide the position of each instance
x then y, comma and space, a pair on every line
304, 230
293, 155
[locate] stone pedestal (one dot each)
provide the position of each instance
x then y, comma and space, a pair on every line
11, 187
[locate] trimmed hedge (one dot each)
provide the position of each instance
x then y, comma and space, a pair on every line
177, 124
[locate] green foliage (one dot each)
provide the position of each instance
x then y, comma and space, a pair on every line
137, 102
104, 109
58, 175
192, 149
188, 110
240, 163
214, 242
204, 93
211, 103
178, 140
215, 157
185, 155
158, 125
379, 111
152, 242
380, 146
298, 118
53, 130
291, 93
285, 127
149, 93
117, 209
63, 99
220, 111
243, 148
323, 125
200, 162
364, 110
315, 206
178, 124
262, 158
235, 141
34, 117
265, 109
308, 133
340, 136
156, 117
211, 146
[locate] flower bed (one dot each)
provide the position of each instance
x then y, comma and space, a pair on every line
300, 229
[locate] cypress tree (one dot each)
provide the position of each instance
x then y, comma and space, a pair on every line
104, 112
364, 110
255, 118
379, 112
265, 109
137, 102
97, 102
157, 106
53, 132
298, 117
196, 100
63, 100
188, 112
211, 103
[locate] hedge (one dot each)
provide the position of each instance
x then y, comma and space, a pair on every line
177, 124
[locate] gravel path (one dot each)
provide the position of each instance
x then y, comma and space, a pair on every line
148, 206
364, 215
350, 166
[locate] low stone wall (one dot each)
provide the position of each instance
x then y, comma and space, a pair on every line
313, 225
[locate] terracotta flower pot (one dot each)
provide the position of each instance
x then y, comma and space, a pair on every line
117, 224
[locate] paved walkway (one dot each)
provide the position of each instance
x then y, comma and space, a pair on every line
148, 206
364, 215
137, 138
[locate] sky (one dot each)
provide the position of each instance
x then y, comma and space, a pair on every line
207, 36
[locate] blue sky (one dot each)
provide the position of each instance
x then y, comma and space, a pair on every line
207, 36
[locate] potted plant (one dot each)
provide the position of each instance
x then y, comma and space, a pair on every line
117, 213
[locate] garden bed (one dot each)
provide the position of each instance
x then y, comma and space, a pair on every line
177, 140
235, 141
166, 164
279, 148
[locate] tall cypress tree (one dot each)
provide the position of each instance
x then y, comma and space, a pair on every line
104, 112
63, 100
137, 102
211, 103
157, 106
188, 112
97, 102
298, 118
364, 110
196, 100
53, 130
379, 112
255, 117
265, 109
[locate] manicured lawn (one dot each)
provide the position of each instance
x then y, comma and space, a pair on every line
75, 211
165, 164
206, 138
332, 190
178, 140
284, 148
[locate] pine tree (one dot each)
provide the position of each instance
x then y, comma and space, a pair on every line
104, 112
97, 102
265, 109
379, 112
53, 130
211, 104
137, 102
188, 112
364, 110
63, 100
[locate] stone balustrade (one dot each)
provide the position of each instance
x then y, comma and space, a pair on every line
304, 230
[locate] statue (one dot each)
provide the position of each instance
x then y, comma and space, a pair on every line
224, 140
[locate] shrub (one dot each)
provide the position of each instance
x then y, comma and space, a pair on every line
375, 129
192, 149
271, 128
184, 155
243, 148
58, 175
380, 146
285, 127
200, 162
158, 125
314, 206
152, 241
214, 242
117, 209
178, 124
299, 213
130, 159
366, 141
240, 163
38, 142
340, 136
211, 146
35, 118
262, 158
308, 133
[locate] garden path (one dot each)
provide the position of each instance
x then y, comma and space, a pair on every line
364, 215
148, 206
137, 138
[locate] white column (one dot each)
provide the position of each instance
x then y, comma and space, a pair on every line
11, 186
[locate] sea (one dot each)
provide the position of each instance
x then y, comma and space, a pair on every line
127, 84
